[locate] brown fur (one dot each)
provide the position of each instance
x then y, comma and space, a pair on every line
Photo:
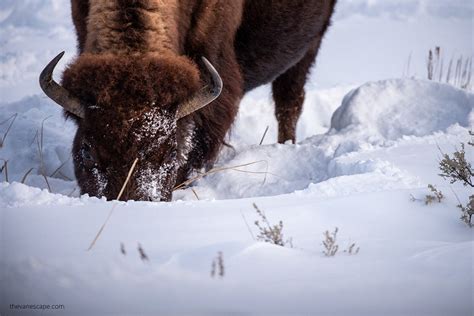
139, 59
119, 81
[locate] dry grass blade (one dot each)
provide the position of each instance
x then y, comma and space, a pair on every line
26, 175
113, 207
71, 193
63, 176
264, 134
195, 194
5, 169
39, 142
59, 168
248, 227
216, 170
4, 137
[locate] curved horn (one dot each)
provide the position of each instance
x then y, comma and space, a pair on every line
57, 93
203, 97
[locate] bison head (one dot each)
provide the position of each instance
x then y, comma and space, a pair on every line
129, 107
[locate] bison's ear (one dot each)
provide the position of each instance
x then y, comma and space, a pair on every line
203, 97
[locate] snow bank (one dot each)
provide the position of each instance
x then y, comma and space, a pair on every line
413, 259
377, 115
395, 108
38, 143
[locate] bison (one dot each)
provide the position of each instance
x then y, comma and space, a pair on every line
161, 80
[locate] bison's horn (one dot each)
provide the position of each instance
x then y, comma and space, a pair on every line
203, 97
57, 93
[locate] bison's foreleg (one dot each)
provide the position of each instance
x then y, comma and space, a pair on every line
289, 94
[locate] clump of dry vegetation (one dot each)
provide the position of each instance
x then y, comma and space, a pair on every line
330, 243
270, 233
331, 246
459, 70
217, 266
456, 168
122, 249
142, 253
352, 249
436, 195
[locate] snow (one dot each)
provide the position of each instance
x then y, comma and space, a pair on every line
368, 144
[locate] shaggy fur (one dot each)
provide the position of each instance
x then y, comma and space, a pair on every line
139, 59
119, 81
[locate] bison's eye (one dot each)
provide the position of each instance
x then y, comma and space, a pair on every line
86, 153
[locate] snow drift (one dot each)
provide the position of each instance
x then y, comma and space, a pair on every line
381, 147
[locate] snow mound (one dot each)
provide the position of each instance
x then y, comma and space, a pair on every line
377, 115
17, 195
392, 109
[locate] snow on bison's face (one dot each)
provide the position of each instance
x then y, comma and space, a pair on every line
129, 108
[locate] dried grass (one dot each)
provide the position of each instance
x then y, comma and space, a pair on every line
459, 73
4, 169
39, 136
23, 180
217, 266
221, 169
4, 137
268, 233
113, 207
58, 169
264, 134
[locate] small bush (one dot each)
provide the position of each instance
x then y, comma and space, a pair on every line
436, 195
458, 169
352, 250
329, 243
268, 233
467, 211
142, 253
331, 247
217, 266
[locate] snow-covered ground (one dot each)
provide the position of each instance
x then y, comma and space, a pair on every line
365, 150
